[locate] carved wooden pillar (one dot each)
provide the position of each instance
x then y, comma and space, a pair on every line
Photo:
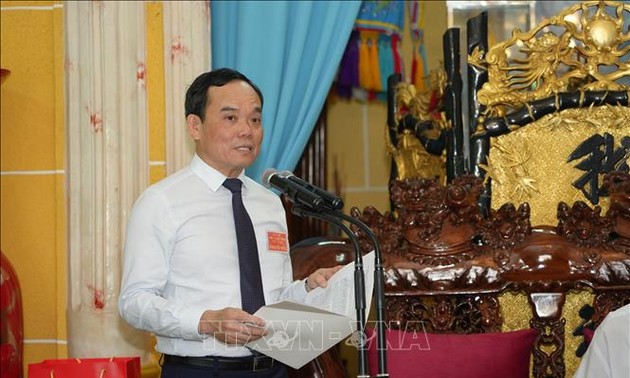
548, 321
453, 105
477, 32
186, 55
107, 168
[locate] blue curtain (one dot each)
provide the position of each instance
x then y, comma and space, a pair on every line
291, 50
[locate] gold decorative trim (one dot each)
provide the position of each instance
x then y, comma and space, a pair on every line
583, 48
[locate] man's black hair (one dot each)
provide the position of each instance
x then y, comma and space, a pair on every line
197, 93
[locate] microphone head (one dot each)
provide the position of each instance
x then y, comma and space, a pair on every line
271, 172
266, 176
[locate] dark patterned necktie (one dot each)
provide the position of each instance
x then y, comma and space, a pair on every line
252, 296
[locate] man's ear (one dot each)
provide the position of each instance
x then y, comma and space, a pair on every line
193, 124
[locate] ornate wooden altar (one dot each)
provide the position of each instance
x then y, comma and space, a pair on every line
449, 269
453, 270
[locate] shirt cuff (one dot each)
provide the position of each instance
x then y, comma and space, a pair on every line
190, 319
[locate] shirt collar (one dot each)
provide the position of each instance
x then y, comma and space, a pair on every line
213, 178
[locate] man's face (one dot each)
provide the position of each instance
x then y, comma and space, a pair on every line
230, 136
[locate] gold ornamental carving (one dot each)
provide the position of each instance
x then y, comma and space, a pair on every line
583, 48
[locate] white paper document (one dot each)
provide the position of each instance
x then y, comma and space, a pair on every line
338, 296
299, 332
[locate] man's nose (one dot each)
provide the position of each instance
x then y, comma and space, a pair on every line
246, 128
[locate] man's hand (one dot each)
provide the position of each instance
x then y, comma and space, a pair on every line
319, 278
232, 326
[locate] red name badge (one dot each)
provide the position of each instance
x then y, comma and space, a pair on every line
277, 241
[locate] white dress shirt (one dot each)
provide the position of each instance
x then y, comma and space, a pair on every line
608, 355
181, 257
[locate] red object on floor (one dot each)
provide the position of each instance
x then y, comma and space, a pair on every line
11, 323
114, 367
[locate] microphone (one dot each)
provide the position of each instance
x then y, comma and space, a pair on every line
330, 200
273, 178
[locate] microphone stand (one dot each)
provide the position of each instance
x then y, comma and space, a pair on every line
359, 282
333, 216
379, 293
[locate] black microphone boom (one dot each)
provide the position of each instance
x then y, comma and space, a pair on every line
272, 178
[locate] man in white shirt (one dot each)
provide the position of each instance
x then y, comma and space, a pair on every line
608, 354
181, 261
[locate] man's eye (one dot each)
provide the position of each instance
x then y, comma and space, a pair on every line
230, 118
256, 120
